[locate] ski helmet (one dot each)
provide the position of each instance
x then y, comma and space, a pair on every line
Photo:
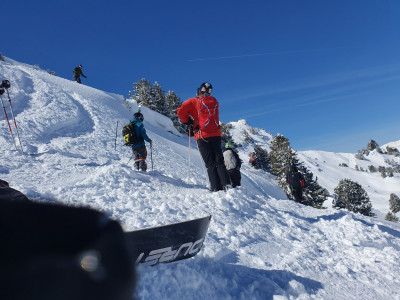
80, 66
205, 89
228, 145
138, 115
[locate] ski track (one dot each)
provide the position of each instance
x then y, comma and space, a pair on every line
259, 245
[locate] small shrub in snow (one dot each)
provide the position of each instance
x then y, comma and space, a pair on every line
359, 155
1, 57
372, 169
351, 196
392, 151
343, 165
391, 217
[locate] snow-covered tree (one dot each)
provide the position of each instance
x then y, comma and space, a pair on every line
351, 196
314, 194
159, 99
172, 103
262, 159
225, 131
281, 157
394, 203
143, 93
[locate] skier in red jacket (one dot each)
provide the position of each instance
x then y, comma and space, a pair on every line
201, 114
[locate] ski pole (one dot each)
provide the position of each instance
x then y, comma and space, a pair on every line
8, 122
15, 122
151, 154
116, 130
129, 159
189, 158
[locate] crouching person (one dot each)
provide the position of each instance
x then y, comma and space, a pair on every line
233, 164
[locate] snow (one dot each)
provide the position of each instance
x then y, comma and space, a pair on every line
260, 245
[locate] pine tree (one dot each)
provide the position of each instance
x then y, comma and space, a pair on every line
143, 93
394, 203
314, 194
262, 159
1, 57
351, 196
281, 155
226, 135
172, 102
159, 99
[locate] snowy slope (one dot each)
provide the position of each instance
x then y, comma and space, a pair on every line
259, 245
325, 165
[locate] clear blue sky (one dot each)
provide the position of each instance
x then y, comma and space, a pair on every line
326, 74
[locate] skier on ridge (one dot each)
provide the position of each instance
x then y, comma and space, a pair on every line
78, 73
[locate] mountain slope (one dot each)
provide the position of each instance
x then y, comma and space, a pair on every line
259, 246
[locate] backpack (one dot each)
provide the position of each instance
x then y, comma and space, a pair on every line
129, 134
76, 72
230, 160
208, 114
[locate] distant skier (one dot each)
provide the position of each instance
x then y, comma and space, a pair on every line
201, 115
233, 164
252, 160
78, 73
138, 147
296, 183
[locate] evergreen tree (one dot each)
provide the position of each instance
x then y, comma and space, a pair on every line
226, 134
143, 93
172, 103
262, 159
159, 99
394, 203
351, 196
281, 156
314, 195
1, 57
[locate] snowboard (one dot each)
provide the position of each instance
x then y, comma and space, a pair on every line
168, 243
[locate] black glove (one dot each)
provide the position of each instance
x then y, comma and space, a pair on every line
189, 127
1, 91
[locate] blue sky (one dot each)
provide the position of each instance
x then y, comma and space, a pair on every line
326, 74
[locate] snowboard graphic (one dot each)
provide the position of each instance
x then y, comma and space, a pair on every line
168, 243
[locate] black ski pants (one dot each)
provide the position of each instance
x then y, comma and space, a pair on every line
297, 193
140, 154
235, 176
211, 152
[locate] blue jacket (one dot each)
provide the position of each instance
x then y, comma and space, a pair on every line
140, 132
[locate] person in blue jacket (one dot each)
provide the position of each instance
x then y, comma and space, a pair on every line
139, 149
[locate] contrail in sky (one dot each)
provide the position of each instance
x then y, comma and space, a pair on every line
255, 54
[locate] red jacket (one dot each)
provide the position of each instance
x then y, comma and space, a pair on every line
191, 108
